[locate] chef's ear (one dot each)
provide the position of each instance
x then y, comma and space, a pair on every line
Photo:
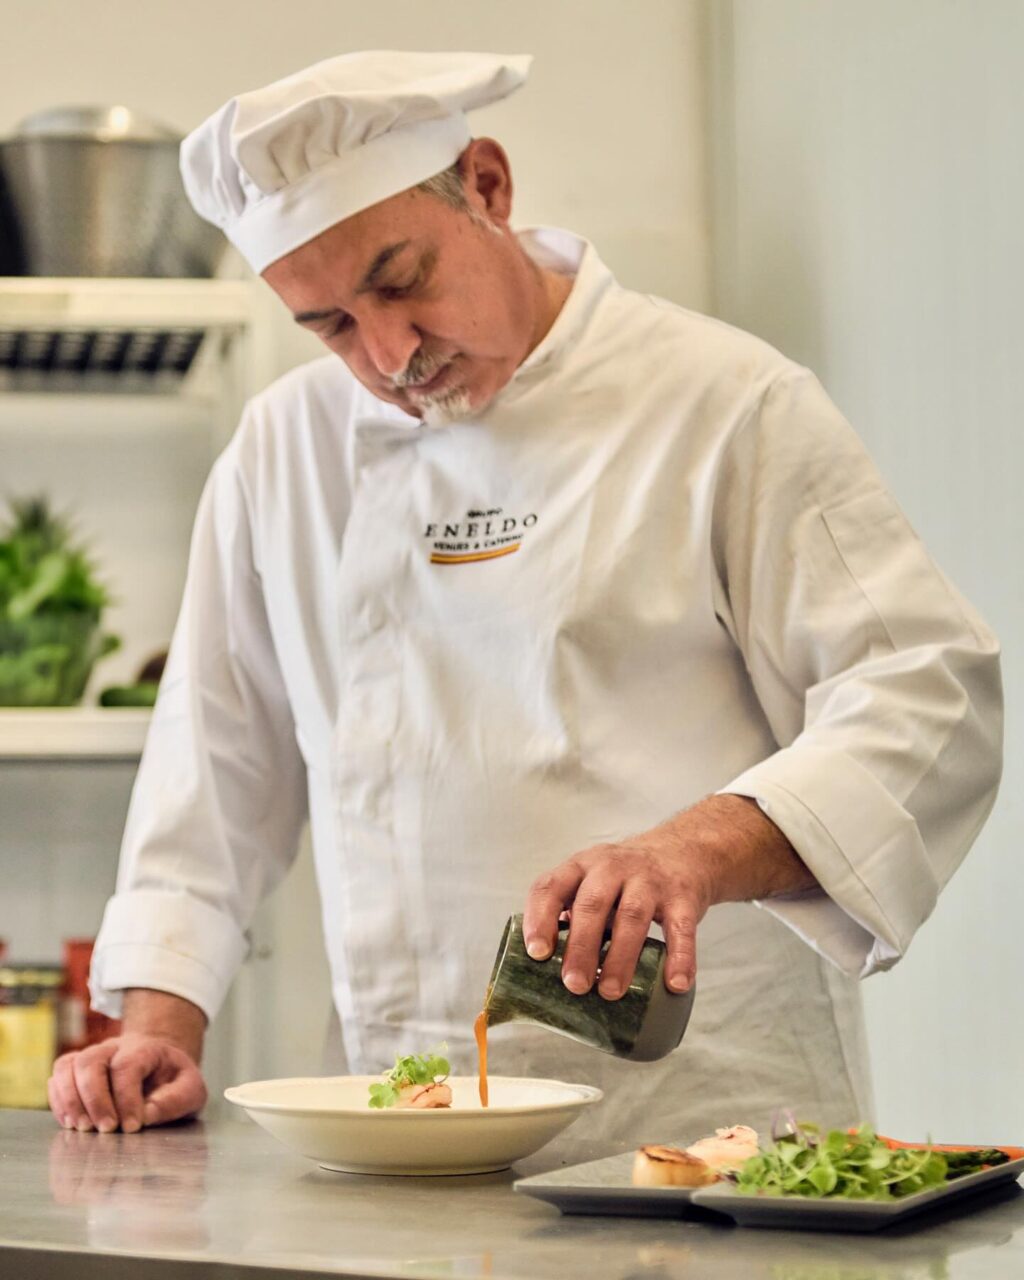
487, 179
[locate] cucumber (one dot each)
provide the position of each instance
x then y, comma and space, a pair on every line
130, 695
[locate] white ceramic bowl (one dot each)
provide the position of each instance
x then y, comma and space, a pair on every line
328, 1120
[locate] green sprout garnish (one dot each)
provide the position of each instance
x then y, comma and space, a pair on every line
854, 1166
417, 1068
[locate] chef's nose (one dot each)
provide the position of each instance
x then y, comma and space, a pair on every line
389, 341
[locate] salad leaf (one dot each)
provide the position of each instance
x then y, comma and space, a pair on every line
854, 1166
51, 603
383, 1095
42, 570
417, 1068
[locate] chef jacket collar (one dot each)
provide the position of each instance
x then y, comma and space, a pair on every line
568, 254
557, 250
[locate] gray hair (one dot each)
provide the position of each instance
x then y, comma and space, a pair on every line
447, 186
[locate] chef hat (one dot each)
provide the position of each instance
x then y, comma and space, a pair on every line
276, 166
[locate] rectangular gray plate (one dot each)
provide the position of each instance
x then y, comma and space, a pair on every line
604, 1187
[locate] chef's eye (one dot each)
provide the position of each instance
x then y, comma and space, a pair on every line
339, 325
390, 292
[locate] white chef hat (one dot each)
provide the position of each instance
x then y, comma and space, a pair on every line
276, 166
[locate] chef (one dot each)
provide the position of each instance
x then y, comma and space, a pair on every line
534, 592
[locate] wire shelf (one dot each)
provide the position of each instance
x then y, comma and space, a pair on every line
137, 335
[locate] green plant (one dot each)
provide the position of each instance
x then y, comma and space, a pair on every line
51, 604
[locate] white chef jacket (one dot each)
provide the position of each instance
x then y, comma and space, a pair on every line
659, 564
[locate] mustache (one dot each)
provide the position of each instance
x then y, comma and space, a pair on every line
421, 368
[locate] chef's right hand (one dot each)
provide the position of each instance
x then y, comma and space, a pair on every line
129, 1081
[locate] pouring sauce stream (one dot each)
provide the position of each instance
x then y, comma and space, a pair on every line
480, 1031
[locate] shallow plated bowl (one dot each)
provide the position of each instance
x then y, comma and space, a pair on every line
327, 1119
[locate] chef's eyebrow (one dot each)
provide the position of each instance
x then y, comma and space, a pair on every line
372, 277
370, 281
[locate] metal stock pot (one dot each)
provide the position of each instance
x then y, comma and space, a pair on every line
96, 191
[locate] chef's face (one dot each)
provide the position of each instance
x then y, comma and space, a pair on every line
431, 307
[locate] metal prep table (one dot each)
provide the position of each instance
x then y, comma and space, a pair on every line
220, 1198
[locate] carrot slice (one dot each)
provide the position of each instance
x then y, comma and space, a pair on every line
1012, 1153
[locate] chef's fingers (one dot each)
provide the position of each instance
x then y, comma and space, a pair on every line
183, 1095
633, 918
49, 1099
546, 901
92, 1081
679, 920
129, 1069
55, 1095
591, 908
65, 1103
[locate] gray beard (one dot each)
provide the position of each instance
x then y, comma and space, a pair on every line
450, 406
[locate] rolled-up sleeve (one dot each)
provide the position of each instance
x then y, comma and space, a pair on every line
219, 799
880, 682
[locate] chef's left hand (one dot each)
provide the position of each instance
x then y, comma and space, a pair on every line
723, 849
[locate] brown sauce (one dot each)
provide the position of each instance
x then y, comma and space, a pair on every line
480, 1031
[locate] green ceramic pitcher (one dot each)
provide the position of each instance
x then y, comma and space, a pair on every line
646, 1023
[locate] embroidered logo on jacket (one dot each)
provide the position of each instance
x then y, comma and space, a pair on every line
482, 535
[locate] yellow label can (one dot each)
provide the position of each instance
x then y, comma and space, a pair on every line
28, 1034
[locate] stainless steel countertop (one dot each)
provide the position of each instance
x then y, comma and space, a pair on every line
220, 1198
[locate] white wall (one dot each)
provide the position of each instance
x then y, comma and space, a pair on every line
607, 138
869, 200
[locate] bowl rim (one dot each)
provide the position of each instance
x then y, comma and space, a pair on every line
584, 1096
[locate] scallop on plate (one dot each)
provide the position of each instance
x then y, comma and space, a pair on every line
329, 1120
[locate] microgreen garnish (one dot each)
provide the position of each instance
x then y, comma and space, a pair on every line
417, 1068
854, 1166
